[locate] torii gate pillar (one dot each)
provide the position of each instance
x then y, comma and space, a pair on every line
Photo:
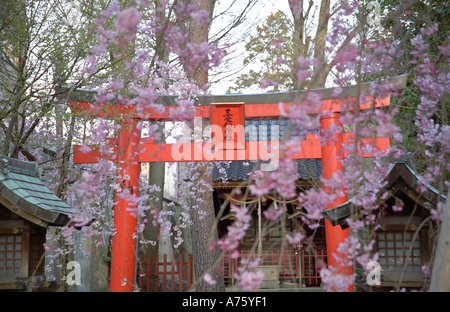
123, 261
331, 163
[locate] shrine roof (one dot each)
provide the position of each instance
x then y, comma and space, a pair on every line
264, 128
401, 173
23, 192
239, 170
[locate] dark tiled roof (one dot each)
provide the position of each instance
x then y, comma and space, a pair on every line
239, 170
264, 129
22, 187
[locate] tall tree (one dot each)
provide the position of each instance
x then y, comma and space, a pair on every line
297, 40
273, 47
204, 230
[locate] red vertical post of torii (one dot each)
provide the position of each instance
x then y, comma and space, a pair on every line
123, 260
331, 163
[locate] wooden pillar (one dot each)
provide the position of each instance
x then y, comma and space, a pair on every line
123, 262
330, 164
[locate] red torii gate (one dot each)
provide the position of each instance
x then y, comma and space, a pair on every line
257, 105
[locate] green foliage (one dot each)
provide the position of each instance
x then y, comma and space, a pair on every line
271, 51
402, 21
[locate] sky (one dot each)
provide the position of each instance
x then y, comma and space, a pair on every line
257, 16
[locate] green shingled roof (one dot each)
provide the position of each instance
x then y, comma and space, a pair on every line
22, 187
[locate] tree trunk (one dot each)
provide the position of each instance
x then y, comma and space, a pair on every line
151, 232
204, 233
321, 70
300, 43
204, 230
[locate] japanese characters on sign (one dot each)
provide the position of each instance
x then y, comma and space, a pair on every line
228, 122
228, 125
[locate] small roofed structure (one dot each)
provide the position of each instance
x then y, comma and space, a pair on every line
404, 237
27, 208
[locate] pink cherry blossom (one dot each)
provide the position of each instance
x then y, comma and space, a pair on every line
272, 214
295, 239
127, 23
208, 278
201, 17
